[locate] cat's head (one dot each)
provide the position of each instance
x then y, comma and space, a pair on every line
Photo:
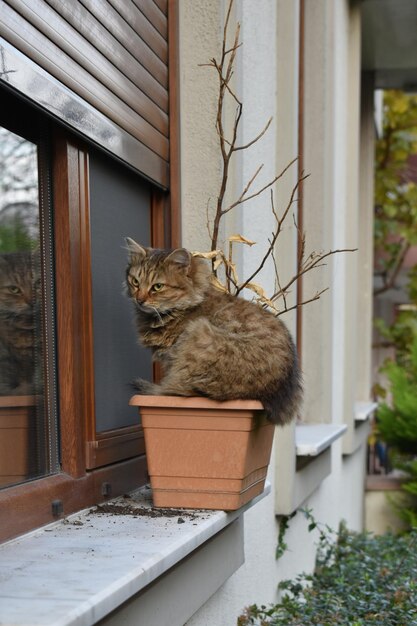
19, 288
165, 280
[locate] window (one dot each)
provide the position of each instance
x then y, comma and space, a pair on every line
65, 209
119, 207
28, 426
94, 126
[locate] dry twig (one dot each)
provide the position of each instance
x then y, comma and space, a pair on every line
224, 68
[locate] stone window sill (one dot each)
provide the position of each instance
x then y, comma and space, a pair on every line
312, 463
359, 426
313, 439
78, 570
364, 410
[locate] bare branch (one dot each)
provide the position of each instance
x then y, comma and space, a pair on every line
275, 235
312, 264
226, 24
313, 299
235, 128
232, 49
267, 186
223, 83
301, 243
282, 293
226, 147
248, 186
224, 68
234, 96
210, 234
257, 138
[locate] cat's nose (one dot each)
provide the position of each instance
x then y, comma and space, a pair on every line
141, 297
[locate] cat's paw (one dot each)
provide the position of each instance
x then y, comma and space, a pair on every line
144, 387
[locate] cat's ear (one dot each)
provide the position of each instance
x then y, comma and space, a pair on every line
180, 257
136, 251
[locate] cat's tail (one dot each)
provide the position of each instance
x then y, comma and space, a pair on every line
284, 402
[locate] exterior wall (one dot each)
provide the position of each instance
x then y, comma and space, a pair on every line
267, 83
319, 145
199, 38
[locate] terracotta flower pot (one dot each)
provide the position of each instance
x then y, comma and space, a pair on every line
17, 439
205, 454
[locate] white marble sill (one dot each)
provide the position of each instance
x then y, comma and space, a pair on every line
76, 571
364, 410
312, 439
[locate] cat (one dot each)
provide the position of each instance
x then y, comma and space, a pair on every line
209, 343
19, 309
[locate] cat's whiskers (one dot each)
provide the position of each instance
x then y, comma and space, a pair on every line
157, 314
147, 308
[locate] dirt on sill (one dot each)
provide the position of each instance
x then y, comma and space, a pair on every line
140, 511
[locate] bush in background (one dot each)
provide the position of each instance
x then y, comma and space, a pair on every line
359, 580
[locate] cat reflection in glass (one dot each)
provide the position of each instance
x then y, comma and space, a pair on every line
209, 343
19, 299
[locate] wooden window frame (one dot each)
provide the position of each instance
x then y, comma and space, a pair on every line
81, 446
94, 466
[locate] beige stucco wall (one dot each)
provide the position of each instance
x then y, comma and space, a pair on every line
200, 37
267, 82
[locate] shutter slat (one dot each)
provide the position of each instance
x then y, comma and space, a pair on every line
58, 31
28, 78
153, 14
154, 33
103, 62
126, 35
90, 28
162, 6
24, 36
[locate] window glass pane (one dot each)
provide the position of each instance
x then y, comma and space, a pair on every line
25, 433
119, 207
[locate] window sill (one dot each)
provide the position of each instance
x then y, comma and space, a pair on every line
78, 570
298, 479
359, 427
313, 439
364, 410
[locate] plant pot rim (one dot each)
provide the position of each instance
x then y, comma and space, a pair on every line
15, 401
195, 402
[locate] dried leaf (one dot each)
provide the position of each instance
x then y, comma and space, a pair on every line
231, 270
241, 239
260, 291
262, 297
215, 281
217, 264
207, 255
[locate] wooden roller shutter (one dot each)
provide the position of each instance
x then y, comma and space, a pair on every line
113, 54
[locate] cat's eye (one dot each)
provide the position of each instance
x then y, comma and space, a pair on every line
14, 289
134, 281
157, 287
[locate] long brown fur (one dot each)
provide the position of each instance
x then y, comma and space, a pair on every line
209, 343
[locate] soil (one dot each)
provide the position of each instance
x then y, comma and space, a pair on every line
140, 511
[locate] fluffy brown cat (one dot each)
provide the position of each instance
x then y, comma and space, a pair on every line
209, 343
